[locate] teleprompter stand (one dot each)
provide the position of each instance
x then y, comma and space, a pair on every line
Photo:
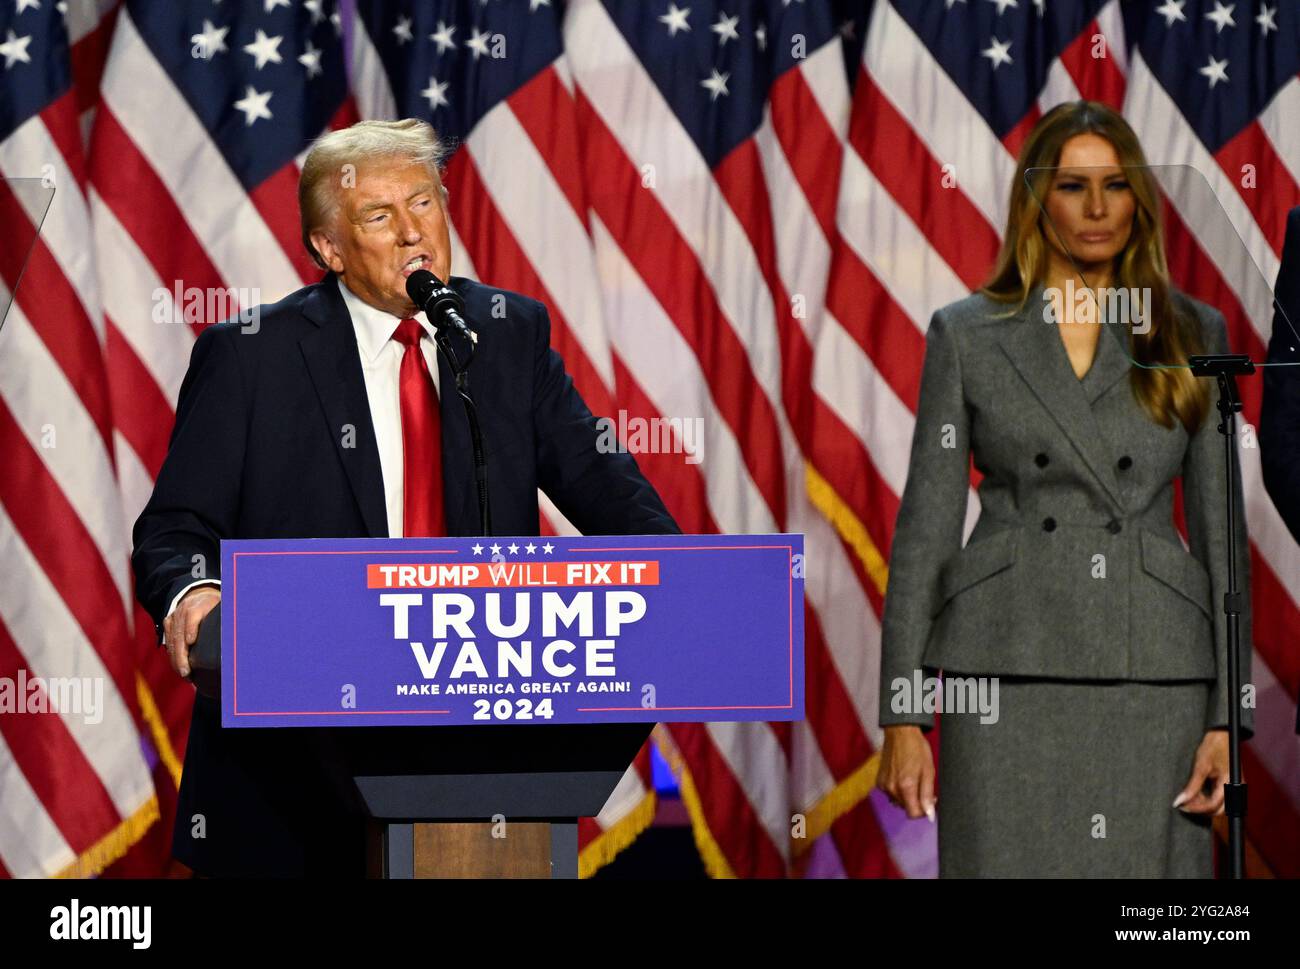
1225, 368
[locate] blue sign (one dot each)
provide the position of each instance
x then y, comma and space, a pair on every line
430, 631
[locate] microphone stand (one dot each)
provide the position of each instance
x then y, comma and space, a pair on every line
443, 338
1225, 368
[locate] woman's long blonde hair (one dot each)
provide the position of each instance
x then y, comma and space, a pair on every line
1167, 394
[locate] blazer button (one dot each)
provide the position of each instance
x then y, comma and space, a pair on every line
1049, 524
1040, 459
1114, 527
1125, 463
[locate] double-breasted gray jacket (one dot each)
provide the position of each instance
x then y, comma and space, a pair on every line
1074, 569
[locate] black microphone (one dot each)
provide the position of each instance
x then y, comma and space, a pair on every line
440, 303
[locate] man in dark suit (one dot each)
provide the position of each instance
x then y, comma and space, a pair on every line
326, 420
1279, 419
1279, 422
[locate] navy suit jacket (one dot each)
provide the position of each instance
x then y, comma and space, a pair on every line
273, 439
1279, 419
1279, 422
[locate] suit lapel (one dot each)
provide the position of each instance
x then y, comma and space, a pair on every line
334, 363
1109, 365
1037, 352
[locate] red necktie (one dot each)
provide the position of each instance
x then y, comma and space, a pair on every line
422, 512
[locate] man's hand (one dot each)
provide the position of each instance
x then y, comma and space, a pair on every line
181, 628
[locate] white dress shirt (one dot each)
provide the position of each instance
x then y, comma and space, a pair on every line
381, 364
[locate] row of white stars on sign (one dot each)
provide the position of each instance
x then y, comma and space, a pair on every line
512, 548
1220, 16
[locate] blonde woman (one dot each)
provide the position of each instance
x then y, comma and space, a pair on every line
1095, 640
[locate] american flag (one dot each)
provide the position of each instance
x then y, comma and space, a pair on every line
739, 211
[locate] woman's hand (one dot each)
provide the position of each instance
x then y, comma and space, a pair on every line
906, 772
1211, 765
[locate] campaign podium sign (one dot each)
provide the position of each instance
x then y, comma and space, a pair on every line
462, 631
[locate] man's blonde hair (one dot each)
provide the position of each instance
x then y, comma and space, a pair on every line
325, 168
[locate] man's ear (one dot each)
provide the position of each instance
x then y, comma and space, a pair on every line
328, 251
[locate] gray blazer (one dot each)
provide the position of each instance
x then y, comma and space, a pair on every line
1077, 480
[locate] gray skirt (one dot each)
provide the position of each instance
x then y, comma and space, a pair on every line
1075, 780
